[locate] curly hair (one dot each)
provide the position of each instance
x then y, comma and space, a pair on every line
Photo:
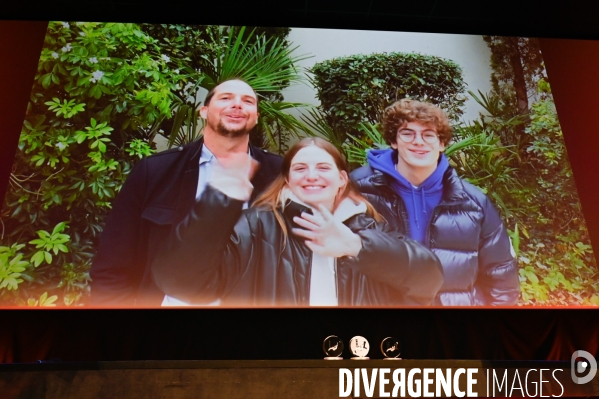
402, 112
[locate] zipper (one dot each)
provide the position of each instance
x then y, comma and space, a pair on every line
435, 215
401, 211
436, 212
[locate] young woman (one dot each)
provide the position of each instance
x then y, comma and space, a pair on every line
310, 240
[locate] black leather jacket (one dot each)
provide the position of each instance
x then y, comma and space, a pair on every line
465, 232
244, 259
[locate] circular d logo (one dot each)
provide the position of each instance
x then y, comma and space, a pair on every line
589, 364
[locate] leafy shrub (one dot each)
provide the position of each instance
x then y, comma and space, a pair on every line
481, 156
517, 66
558, 262
356, 89
557, 266
531, 183
99, 93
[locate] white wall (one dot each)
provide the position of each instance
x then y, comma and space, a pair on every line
468, 51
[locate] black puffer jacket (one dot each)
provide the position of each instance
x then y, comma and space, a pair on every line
465, 232
244, 259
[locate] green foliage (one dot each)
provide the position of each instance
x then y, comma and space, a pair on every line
11, 266
139, 148
185, 125
194, 45
317, 124
547, 157
43, 301
48, 243
278, 125
68, 109
356, 89
561, 274
266, 64
372, 139
531, 183
99, 94
517, 66
559, 247
481, 159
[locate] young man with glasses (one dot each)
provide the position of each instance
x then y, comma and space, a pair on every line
415, 189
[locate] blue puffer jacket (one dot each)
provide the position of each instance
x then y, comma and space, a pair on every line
465, 232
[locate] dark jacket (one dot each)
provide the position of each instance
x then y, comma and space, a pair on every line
245, 259
157, 195
465, 232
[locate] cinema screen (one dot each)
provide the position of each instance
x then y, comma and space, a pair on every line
226, 166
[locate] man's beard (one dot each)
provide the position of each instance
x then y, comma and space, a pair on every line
231, 133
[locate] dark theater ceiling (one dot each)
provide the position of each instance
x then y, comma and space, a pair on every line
571, 19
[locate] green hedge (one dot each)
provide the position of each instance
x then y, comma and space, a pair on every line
98, 95
357, 88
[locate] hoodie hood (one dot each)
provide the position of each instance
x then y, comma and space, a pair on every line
420, 201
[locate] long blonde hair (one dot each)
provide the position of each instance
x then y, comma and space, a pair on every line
271, 197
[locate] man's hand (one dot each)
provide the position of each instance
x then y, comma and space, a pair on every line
326, 236
232, 175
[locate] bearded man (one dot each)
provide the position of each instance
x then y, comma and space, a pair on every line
162, 189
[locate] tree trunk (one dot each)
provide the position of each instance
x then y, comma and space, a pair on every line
518, 80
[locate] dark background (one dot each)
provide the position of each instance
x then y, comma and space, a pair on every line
88, 335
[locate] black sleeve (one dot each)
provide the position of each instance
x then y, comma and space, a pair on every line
400, 262
497, 282
207, 252
119, 263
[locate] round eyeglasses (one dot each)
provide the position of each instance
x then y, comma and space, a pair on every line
428, 136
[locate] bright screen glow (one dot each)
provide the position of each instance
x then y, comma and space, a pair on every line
113, 201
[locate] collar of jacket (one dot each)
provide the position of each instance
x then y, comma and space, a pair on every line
195, 150
453, 188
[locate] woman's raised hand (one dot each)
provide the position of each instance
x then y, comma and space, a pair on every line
232, 174
326, 236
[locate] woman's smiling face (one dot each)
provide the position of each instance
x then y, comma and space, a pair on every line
314, 177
